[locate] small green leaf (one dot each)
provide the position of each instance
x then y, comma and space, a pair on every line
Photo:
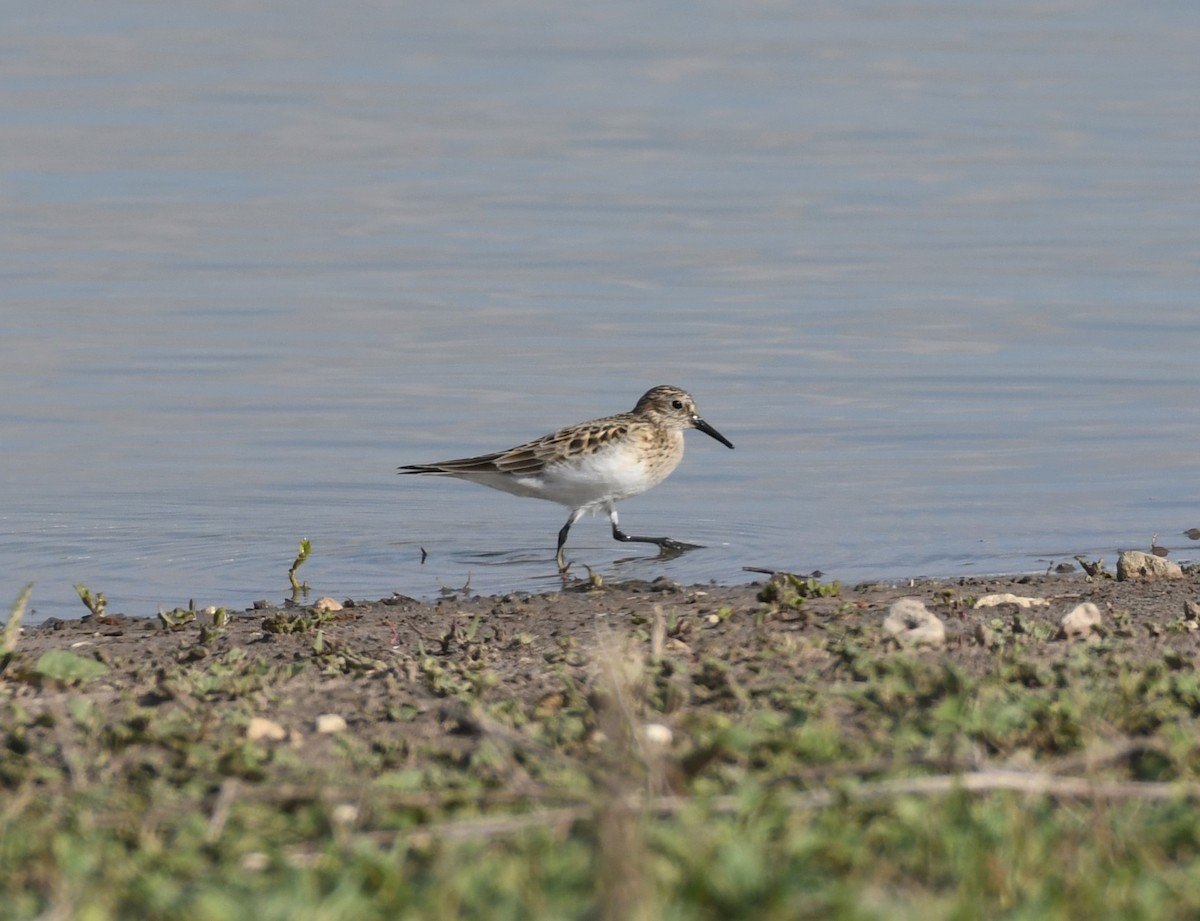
305, 550
61, 665
81, 709
95, 604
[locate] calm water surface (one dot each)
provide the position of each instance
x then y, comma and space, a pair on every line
932, 267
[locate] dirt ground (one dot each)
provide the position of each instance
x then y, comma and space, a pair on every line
656, 735
377, 658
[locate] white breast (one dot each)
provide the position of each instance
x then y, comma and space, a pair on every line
610, 475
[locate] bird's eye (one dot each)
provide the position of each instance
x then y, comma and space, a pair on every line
677, 404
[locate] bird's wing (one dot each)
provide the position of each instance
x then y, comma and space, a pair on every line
531, 458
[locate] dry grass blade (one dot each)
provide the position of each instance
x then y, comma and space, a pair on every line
12, 629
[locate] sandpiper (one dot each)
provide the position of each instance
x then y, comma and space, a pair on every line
592, 465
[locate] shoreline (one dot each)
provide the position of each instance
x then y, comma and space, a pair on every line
389, 626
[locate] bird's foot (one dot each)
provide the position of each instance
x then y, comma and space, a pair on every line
667, 544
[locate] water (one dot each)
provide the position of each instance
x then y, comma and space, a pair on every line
931, 267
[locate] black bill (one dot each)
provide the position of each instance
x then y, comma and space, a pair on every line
710, 431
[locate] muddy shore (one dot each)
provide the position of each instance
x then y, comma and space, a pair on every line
376, 655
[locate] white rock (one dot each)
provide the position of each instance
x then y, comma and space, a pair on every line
1081, 622
344, 813
658, 735
262, 729
326, 605
255, 861
329, 723
1135, 566
991, 601
910, 623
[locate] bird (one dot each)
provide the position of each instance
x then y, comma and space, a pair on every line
591, 466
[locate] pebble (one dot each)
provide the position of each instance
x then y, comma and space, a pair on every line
262, 729
991, 601
658, 735
1081, 622
344, 814
328, 723
255, 861
910, 623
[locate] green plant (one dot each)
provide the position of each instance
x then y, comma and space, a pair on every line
301, 556
94, 603
789, 590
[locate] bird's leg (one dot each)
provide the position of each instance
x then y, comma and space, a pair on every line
562, 539
664, 543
